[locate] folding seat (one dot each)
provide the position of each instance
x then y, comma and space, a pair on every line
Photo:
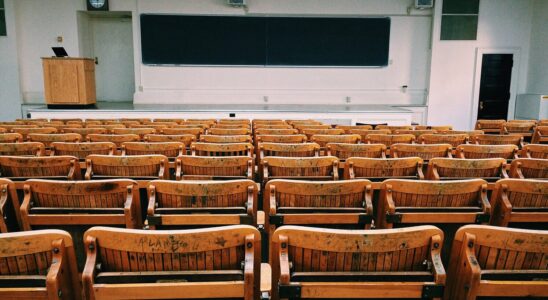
493, 139
23, 149
196, 131
225, 139
487, 151
534, 151
141, 132
540, 136
530, 168
18, 168
275, 131
309, 132
137, 167
379, 169
289, 150
345, 151
364, 132
525, 129
214, 167
213, 149
169, 149
186, 139
490, 169
436, 128
117, 139
26, 131
301, 168
490, 126
390, 139
393, 128
324, 139
230, 131
82, 150
426, 152
415, 132
85, 131
48, 139
11, 138
108, 127
9, 207
347, 128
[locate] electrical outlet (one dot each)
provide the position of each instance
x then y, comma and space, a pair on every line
59, 39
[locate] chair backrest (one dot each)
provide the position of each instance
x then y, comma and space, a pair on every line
306, 168
318, 255
180, 131
137, 166
169, 149
289, 150
453, 139
305, 126
310, 132
526, 127
85, 131
276, 131
529, 168
487, 151
186, 139
192, 125
108, 127
117, 139
214, 149
345, 151
493, 139
82, 150
22, 149
234, 121
231, 126
47, 139
540, 136
208, 122
382, 168
393, 128
155, 126
231, 253
214, 167
490, 169
26, 131
141, 132
10, 138
425, 152
225, 139
9, 207
364, 132
40, 264
324, 139
347, 128
20, 168
415, 132
390, 139
534, 151
518, 201
490, 125
164, 120
272, 126
229, 131
284, 139
497, 257
436, 128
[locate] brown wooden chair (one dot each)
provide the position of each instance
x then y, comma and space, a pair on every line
201, 203
11, 138
540, 136
310, 132
234, 121
193, 125
164, 120
347, 128
489, 261
208, 122
159, 123
530, 168
61, 127
231, 126
487, 151
155, 126
48, 139
415, 132
213, 149
520, 202
310, 263
299, 122
390, 139
525, 129
436, 128
108, 127
225, 139
275, 126
306, 126
345, 151
214, 263
137, 167
19, 168
289, 150
141, 132
117, 139
490, 126
229, 131
494, 139
82, 150
324, 139
26, 131
169, 149
275, 131
284, 139
379, 169
467, 132
426, 152
23, 149
214, 167
183, 131
453, 139
10, 127
66, 120
38, 265
490, 169
9, 207
186, 139
85, 131
364, 132
3, 130
534, 151
301, 168
394, 128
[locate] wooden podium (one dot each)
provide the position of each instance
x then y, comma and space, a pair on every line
69, 81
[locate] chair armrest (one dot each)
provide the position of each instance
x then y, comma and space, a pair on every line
56, 270
181, 149
272, 207
90, 269
336, 170
284, 260
178, 169
162, 171
369, 200
72, 172
250, 169
435, 258
123, 150
420, 174
484, 200
89, 171
129, 209
25, 208
389, 201
503, 172
250, 203
432, 173
249, 267
265, 172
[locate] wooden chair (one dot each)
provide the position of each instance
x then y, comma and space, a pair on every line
393, 128
117, 139
542, 122
186, 139
390, 139
299, 122
155, 122
301, 168
23, 149
540, 136
137, 167
208, 122
61, 127
277, 131
85, 131
225, 139
108, 127
9, 207
493, 139
379, 169
426, 152
38, 265
534, 151
488, 261
26, 131
19, 168
324, 139
306, 126
234, 121
231, 131
347, 128
212, 149
48, 139
231, 126
345, 151
11, 138
201, 203
310, 132
364, 132
284, 139
487, 151
467, 132
10, 127
66, 120
275, 126
169, 149
183, 131
214, 167
141, 132
155, 126
520, 202
82, 150
213, 263
490, 126
415, 132
530, 168
436, 128
289, 150
453, 139
163, 120
310, 263
490, 169
525, 129
193, 125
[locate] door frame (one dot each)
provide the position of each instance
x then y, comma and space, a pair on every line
516, 52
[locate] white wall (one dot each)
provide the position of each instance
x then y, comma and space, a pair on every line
537, 80
10, 94
502, 24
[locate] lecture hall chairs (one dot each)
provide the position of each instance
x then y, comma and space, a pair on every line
186, 139
48, 139
426, 152
137, 167
225, 139
11, 138
18, 168
497, 139
299, 168
214, 167
215, 149
490, 126
390, 139
540, 136
9, 207
82, 150
288, 150
344, 151
169, 149
23, 149
379, 169
530, 168
117, 139
487, 151
534, 151
490, 169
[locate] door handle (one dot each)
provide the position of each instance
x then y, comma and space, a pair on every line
96, 60
481, 105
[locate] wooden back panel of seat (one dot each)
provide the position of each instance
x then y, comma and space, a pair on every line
487, 151
284, 139
127, 166
415, 132
540, 136
490, 125
159, 123
348, 128
191, 126
359, 167
276, 131
300, 166
302, 127
22, 149
26, 131
453, 139
186, 139
234, 121
180, 131
425, 152
85, 131
273, 127
364, 132
164, 120
345, 151
518, 127
229, 131
324, 139
393, 128
47, 139
215, 166
108, 127
82, 150
466, 168
390, 139
214, 149
36, 167
493, 139
310, 132
9, 206
225, 139
436, 128
529, 168
157, 127
289, 150
535, 151
141, 132
10, 138
169, 149
10, 127
231, 126
117, 139
519, 193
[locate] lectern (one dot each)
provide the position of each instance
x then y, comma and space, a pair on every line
69, 81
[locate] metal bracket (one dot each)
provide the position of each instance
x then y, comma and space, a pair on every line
482, 218
277, 220
290, 291
432, 291
393, 218
154, 220
364, 219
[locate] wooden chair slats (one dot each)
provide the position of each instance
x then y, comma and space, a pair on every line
23, 149
108, 127
234, 121
231, 126
57, 167
284, 139
534, 151
494, 139
306, 126
164, 120
85, 131
9, 207
303, 168
26, 131
324, 139
390, 139
145, 167
490, 126
436, 128
141, 132
47, 139
225, 139
289, 150
540, 136
525, 128
453, 139
310, 132
426, 152
169, 149
82, 150
155, 126
215, 149
487, 151
415, 132
488, 261
276, 131
531, 168
364, 132
378, 169
186, 139
183, 131
490, 169
214, 167
213, 263
229, 131
345, 151
117, 139
274, 126
393, 128
347, 128
11, 138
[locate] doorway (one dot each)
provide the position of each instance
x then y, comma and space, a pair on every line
495, 84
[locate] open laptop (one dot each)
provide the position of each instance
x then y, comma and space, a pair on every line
59, 51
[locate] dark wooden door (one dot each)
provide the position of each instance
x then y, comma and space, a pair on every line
494, 97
